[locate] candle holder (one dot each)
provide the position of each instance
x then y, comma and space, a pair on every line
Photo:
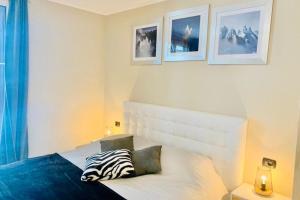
263, 181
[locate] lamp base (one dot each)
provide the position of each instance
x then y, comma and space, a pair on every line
261, 192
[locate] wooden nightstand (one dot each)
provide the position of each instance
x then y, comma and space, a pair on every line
245, 192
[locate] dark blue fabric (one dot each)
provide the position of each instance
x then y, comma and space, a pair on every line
49, 177
13, 137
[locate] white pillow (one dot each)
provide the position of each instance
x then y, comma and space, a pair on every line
182, 165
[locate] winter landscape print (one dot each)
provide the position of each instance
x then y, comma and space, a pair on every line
239, 33
185, 34
146, 40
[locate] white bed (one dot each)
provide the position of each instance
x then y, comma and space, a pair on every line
202, 155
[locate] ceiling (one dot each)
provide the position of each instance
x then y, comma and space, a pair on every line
106, 7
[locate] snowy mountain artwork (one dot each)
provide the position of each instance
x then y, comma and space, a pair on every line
186, 34
239, 33
147, 42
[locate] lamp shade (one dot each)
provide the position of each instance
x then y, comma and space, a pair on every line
263, 181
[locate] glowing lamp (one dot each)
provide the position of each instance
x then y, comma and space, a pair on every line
263, 181
108, 132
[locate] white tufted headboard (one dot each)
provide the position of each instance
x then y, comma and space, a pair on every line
221, 138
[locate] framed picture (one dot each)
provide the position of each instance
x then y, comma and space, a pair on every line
240, 33
186, 34
147, 44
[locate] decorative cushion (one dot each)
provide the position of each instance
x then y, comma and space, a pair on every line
117, 142
108, 165
147, 161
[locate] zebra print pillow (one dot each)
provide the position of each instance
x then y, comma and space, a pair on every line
108, 165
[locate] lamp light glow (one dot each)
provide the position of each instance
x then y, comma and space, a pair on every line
108, 132
263, 182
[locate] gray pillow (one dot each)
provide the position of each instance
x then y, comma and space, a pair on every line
117, 142
147, 161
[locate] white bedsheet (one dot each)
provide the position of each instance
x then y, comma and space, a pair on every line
184, 176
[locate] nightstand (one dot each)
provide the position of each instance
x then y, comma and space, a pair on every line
245, 192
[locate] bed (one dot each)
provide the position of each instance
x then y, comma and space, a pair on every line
202, 154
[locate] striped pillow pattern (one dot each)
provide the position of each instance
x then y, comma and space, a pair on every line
108, 165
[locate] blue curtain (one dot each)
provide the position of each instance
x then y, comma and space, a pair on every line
14, 137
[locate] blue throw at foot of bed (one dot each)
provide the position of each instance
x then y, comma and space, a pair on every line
49, 177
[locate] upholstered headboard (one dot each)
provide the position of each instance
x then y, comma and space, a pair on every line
221, 138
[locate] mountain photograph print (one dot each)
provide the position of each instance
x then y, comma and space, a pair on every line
147, 44
186, 34
240, 33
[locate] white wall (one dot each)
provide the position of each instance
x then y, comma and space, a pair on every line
66, 77
267, 95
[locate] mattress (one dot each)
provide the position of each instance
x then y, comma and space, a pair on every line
185, 175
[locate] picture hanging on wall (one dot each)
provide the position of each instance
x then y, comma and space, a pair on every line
240, 33
186, 34
147, 44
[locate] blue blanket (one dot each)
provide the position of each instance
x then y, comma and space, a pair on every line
49, 177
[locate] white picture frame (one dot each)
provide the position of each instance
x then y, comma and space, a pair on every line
144, 50
193, 21
232, 44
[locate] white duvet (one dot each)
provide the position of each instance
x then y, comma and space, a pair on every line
184, 176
